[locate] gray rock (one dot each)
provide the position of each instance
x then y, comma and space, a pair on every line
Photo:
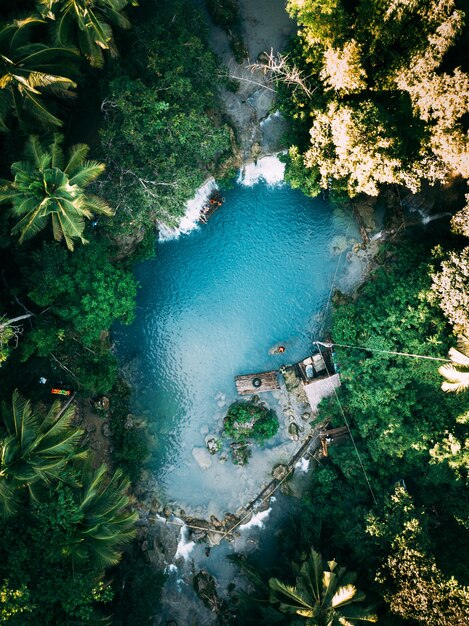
202, 457
294, 431
279, 472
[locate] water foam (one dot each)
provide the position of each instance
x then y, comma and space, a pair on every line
185, 546
273, 116
190, 219
426, 219
269, 168
170, 569
256, 520
302, 465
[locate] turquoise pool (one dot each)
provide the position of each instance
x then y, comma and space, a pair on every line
212, 304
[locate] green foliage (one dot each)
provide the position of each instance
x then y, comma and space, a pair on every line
29, 71
375, 108
416, 589
84, 290
321, 596
89, 24
13, 602
49, 188
56, 546
246, 419
159, 140
406, 431
7, 333
130, 440
395, 401
34, 449
102, 523
32, 560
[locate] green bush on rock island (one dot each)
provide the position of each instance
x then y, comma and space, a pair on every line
246, 419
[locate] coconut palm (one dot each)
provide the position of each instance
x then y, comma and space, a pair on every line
48, 188
28, 71
89, 23
34, 449
105, 521
323, 597
456, 373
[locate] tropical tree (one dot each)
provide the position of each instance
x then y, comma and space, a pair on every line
34, 449
89, 22
324, 597
28, 71
456, 373
46, 186
104, 521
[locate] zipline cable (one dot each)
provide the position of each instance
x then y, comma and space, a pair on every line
351, 435
409, 354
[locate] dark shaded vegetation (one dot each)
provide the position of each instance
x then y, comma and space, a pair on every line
153, 106
394, 510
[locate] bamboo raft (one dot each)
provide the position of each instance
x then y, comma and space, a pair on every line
256, 383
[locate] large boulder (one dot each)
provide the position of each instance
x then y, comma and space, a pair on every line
202, 457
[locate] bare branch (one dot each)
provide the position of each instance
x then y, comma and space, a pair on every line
279, 68
246, 80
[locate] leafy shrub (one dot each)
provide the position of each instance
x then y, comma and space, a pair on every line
246, 419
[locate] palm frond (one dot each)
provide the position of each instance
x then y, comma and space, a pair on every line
8, 498
76, 157
33, 150
56, 152
282, 593
98, 205
346, 594
87, 173
458, 357
456, 380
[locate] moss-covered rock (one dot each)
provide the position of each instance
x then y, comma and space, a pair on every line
246, 419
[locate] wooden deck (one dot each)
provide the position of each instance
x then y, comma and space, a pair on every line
249, 384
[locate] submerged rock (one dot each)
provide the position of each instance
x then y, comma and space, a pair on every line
280, 471
213, 444
205, 587
294, 431
202, 457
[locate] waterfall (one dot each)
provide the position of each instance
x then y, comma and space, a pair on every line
185, 546
256, 520
269, 168
189, 221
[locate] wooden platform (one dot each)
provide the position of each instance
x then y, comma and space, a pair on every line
248, 384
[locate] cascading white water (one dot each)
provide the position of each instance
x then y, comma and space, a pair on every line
269, 169
185, 546
256, 520
190, 219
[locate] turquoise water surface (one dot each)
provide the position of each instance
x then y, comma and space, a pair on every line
213, 303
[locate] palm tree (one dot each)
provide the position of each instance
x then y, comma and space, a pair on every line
27, 71
105, 523
321, 597
34, 449
456, 373
89, 22
46, 188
